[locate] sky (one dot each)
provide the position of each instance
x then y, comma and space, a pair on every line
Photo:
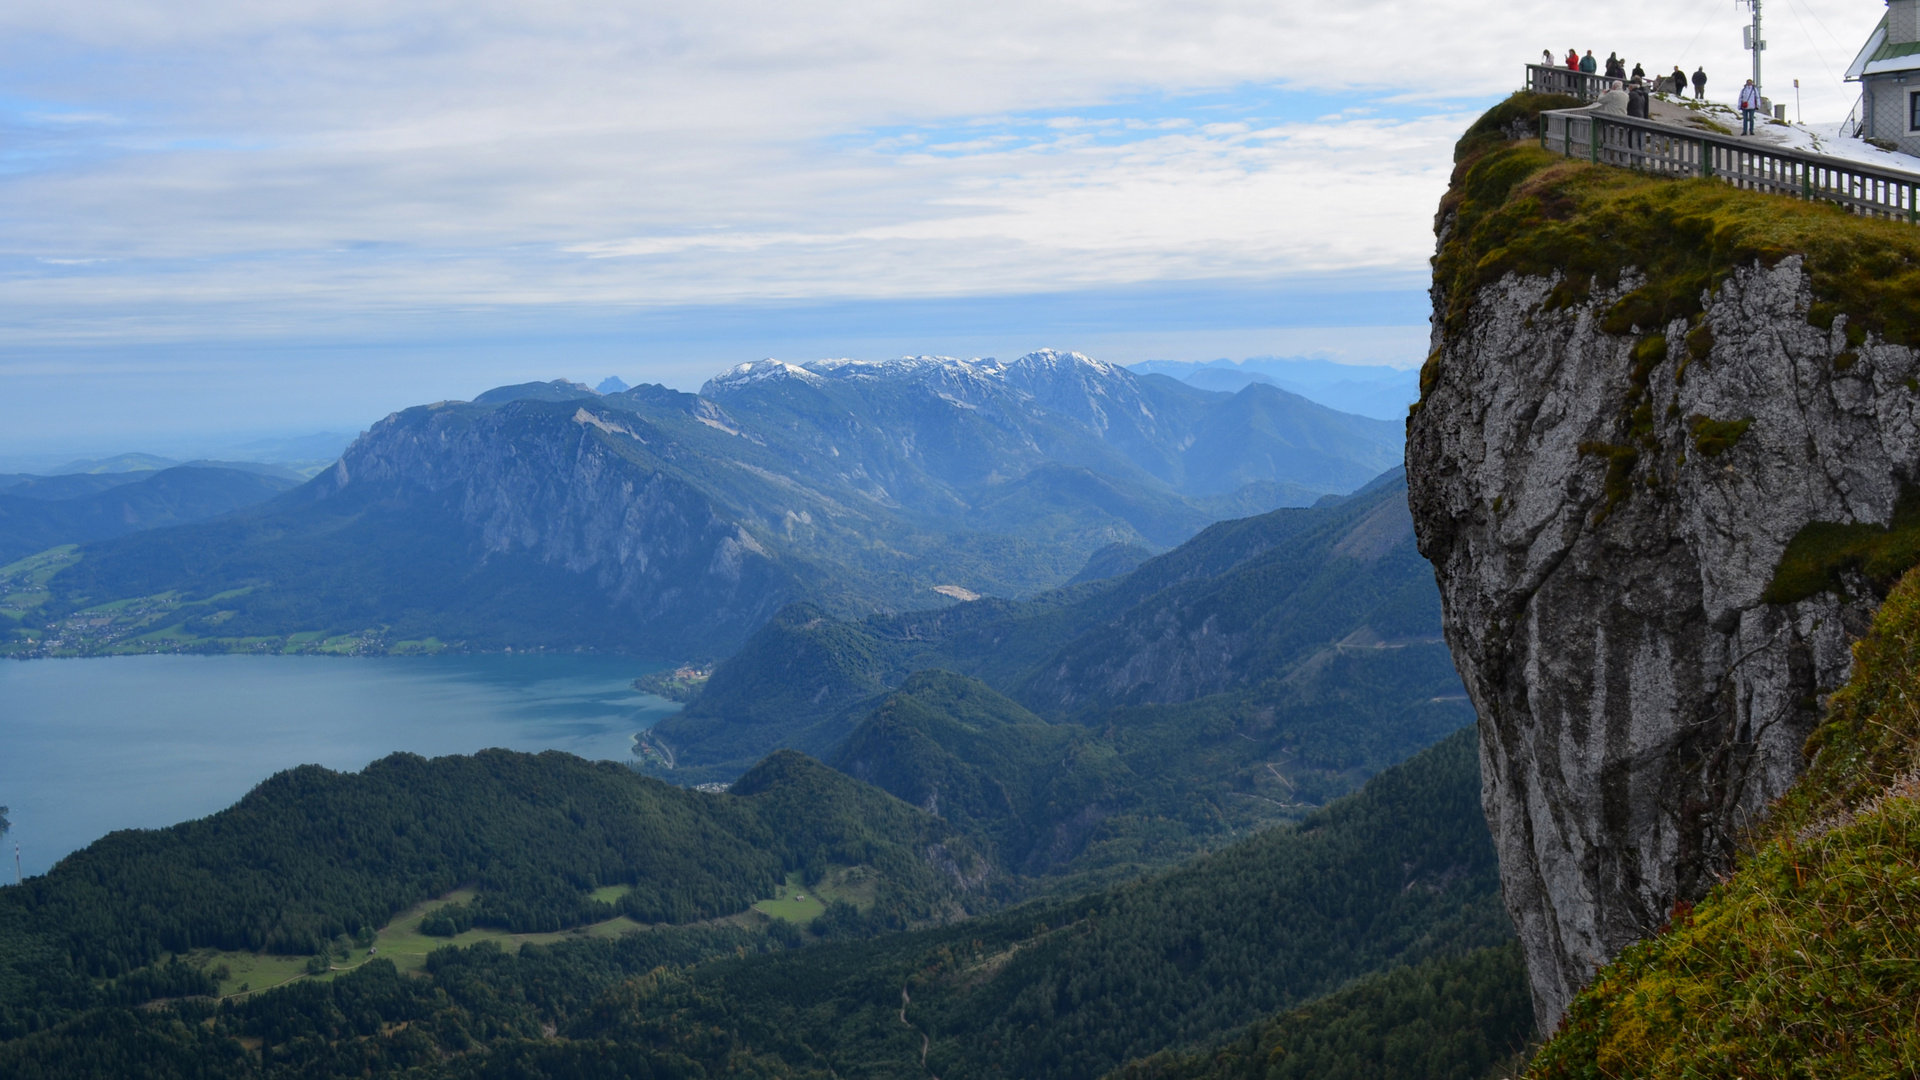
223, 220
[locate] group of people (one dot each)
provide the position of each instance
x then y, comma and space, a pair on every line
1624, 98
1616, 68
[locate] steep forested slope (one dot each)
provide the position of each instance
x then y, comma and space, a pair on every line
1456, 1017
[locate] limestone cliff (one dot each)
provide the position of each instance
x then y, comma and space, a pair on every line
1641, 396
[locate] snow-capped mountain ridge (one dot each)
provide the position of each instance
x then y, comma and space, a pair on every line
1024, 375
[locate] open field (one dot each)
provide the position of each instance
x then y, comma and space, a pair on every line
399, 941
795, 902
801, 903
402, 942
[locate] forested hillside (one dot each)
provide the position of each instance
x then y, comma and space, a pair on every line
1401, 873
1455, 1017
311, 855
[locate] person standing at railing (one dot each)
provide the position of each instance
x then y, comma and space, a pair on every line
1639, 104
1546, 58
1611, 103
1749, 104
1588, 65
1615, 69
1699, 82
1638, 74
1573, 59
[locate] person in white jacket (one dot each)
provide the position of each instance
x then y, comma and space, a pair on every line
1749, 104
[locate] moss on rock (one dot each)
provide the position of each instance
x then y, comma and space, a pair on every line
1715, 437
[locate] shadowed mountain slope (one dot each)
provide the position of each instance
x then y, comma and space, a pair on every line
1261, 600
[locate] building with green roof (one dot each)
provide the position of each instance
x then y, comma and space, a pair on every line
1888, 71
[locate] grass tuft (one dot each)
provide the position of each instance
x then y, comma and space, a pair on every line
1715, 437
1823, 553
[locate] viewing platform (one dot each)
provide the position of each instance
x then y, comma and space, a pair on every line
1685, 148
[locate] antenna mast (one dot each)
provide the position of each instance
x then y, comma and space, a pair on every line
1753, 42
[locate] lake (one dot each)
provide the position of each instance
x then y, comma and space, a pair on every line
90, 746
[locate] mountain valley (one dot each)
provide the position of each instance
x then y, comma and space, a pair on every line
1260, 669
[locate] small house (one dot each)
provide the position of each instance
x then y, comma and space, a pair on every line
1888, 71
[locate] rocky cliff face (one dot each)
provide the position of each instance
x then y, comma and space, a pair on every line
569, 492
1605, 512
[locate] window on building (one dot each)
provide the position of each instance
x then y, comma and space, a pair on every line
1913, 110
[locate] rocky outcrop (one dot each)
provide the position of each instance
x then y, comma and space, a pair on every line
1605, 513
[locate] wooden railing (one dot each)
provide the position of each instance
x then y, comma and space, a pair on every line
1667, 149
1547, 79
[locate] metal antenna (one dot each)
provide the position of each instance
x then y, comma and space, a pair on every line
18, 877
1753, 42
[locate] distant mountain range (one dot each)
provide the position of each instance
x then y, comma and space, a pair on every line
1366, 389
302, 455
549, 515
39, 512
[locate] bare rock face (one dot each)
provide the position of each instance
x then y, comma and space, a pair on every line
1640, 703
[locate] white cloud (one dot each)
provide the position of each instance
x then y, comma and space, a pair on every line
223, 167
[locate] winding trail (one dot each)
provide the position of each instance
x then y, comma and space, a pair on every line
926, 1041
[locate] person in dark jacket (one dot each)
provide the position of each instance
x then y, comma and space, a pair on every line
1637, 72
1588, 64
1638, 103
1699, 82
1679, 82
1615, 69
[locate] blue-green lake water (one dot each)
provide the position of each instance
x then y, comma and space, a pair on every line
90, 746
